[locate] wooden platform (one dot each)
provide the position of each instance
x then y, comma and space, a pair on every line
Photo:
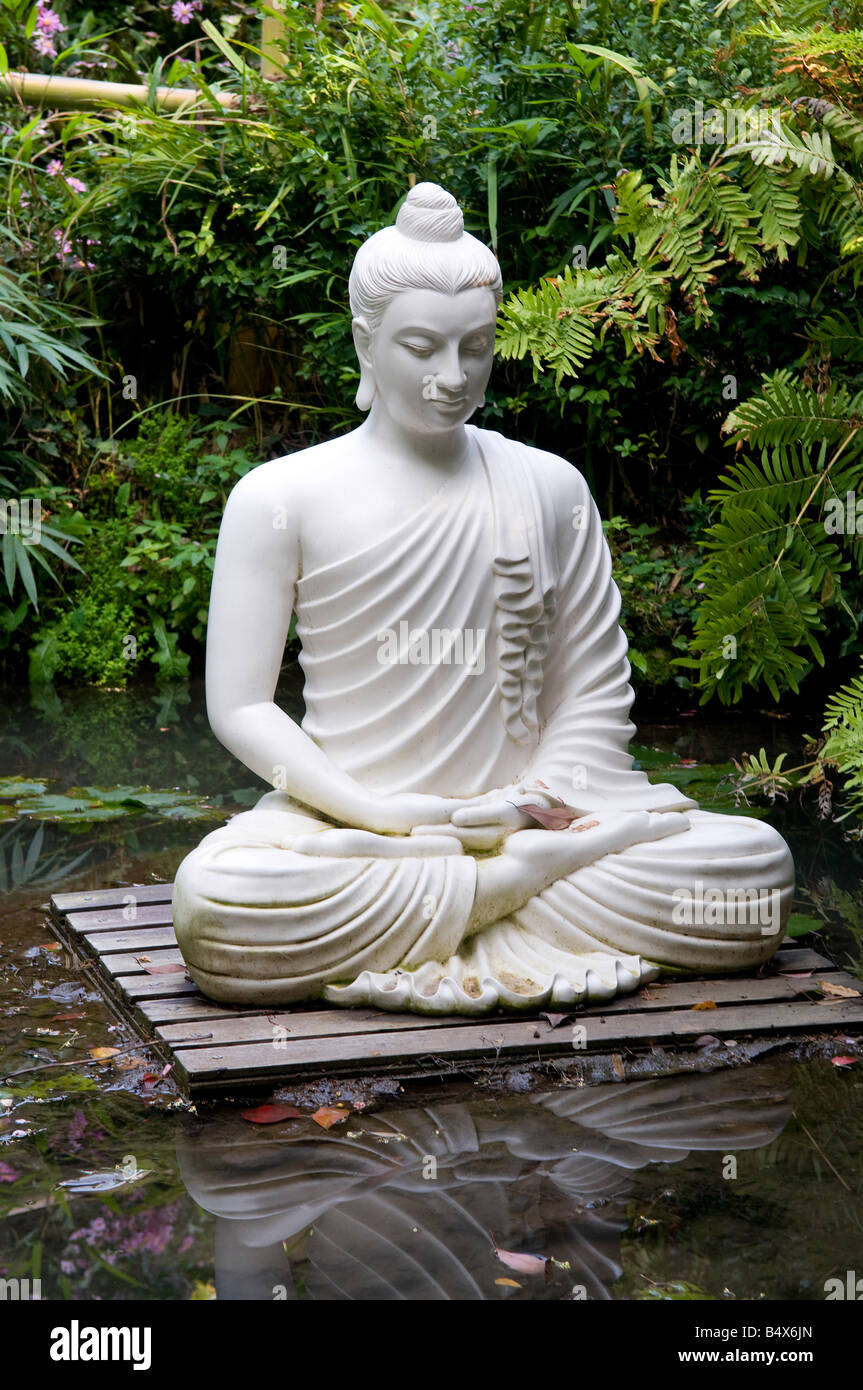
128, 949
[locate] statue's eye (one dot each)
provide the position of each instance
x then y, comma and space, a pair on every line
475, 347
419, 349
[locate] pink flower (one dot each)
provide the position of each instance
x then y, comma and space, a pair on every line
78, 186
54, 166
183, 11
43, 45
47, 21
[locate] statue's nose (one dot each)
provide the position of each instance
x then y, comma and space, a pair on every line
451, 374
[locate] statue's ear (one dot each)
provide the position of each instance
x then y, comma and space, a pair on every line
363, 344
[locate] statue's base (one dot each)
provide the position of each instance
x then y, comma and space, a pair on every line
124, 938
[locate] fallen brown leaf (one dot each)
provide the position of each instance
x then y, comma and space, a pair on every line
328, 1115
271, 1114
66, 1018
509, 1283
163, 969
619, 1068
101, 1054
705, 1004
841, 991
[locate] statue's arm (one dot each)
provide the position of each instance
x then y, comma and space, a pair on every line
583, 755
251, 604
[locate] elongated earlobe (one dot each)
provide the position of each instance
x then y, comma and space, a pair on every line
366, 389
362, 343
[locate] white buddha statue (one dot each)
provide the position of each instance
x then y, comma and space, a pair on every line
462, 659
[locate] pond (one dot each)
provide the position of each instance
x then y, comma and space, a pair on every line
729, 1184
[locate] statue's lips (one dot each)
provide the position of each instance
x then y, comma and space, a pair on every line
460, 403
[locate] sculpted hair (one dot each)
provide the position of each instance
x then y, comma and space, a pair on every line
427, 249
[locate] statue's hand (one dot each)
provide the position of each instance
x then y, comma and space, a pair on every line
561, 852
408, 811
486, 821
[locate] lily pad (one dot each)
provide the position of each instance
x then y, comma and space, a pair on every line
14, 787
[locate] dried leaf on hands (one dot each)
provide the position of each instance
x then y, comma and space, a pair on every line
329, 1115
271, 1114
551, 818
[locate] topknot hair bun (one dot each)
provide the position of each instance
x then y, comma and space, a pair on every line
429, 213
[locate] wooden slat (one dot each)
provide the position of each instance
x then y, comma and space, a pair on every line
189, 1010
214, 1067
112, 919
111, 897
103, 943
130, 964
135, 987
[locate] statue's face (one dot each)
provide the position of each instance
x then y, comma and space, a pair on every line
431, 356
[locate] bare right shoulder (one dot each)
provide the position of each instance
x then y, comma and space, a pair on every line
292, 481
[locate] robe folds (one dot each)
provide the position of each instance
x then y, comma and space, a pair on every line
477, 647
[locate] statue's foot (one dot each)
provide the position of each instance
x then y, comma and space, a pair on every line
503, 968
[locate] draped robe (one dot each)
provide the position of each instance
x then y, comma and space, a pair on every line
475, 647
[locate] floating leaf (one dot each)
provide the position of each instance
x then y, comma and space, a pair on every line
509, 1283
66, 1018
329, 1115
101, 1054
19, 786
104, 1181
843, 1061
522, 1264
707, 1040
202, 1292
272, 1114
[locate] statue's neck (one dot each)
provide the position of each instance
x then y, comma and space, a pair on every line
445, 450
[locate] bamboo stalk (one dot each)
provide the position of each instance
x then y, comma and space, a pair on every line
68, 93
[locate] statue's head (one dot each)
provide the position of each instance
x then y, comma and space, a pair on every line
424, 297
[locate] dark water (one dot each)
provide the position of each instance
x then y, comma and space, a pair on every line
743, 1183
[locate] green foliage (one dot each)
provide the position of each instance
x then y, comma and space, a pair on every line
843, 745
146, 557
657, 597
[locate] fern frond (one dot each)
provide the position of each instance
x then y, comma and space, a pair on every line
775, 196
838, 335
787, 412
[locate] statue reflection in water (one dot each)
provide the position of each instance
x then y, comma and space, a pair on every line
408, 1202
